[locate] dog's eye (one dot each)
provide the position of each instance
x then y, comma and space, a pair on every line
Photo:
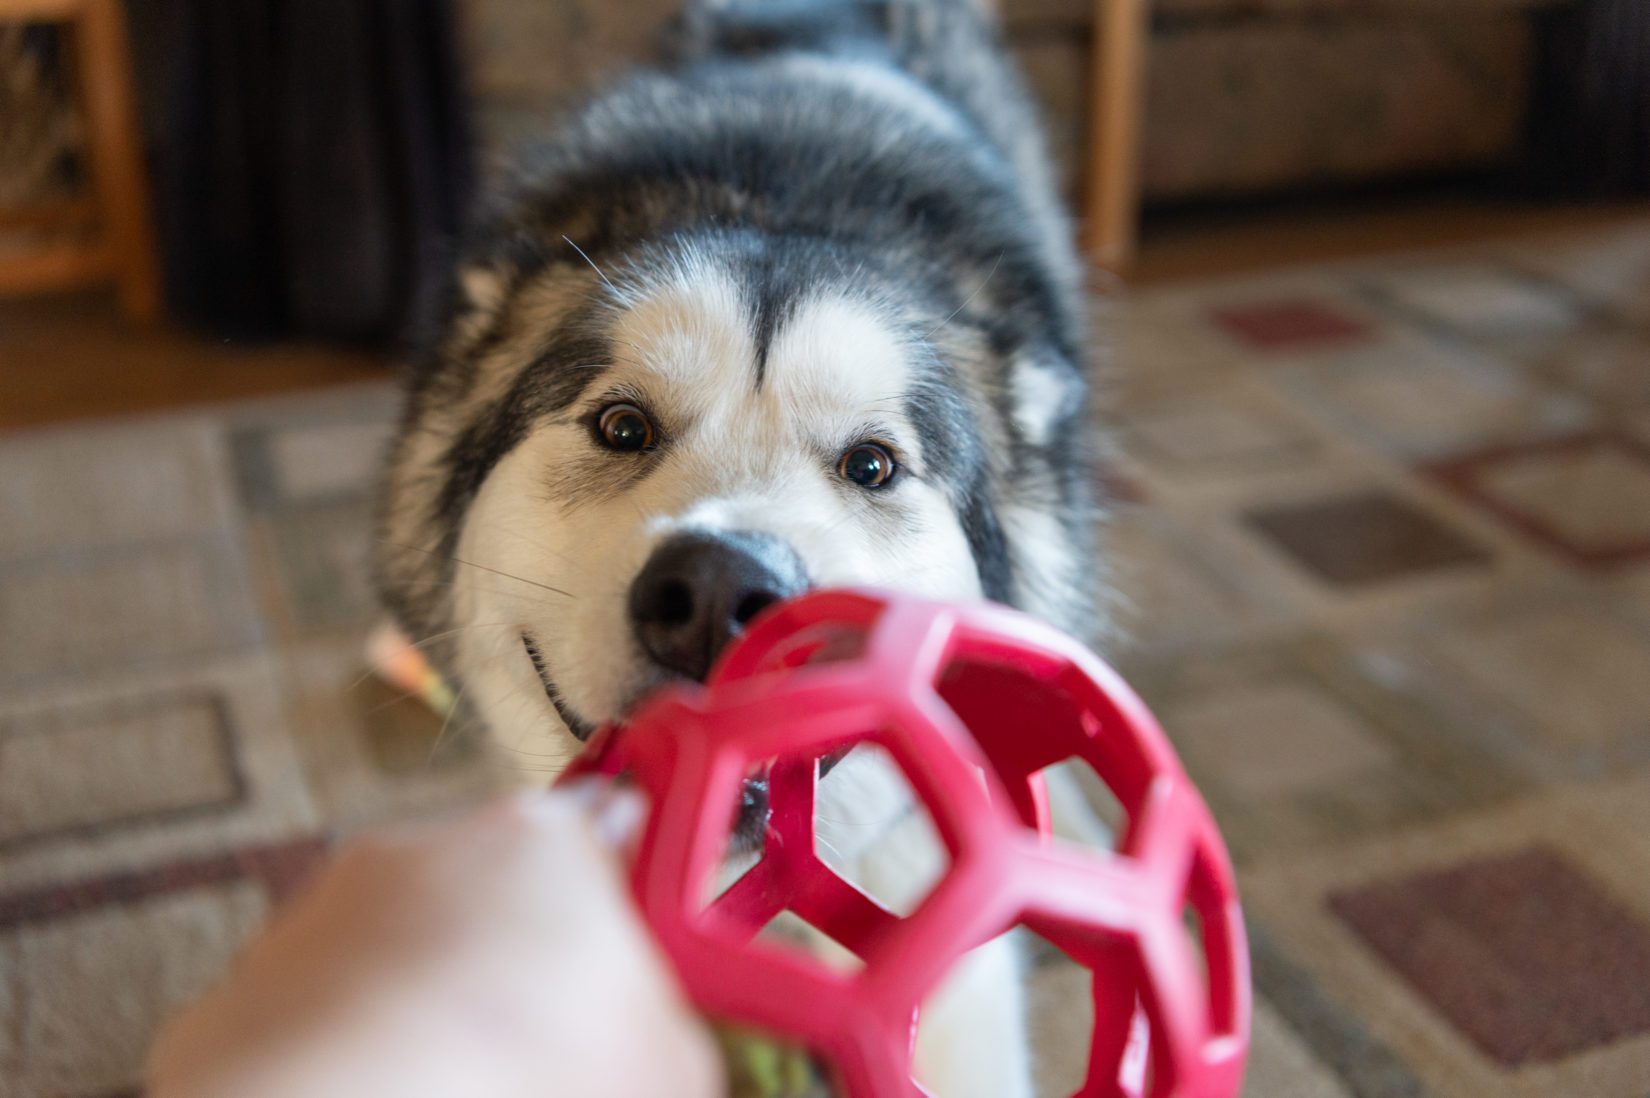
867, 465
625, 427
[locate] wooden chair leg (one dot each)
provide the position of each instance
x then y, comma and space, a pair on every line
1112, 203
116, 150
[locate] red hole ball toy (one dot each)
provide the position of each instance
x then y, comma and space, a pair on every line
972, 702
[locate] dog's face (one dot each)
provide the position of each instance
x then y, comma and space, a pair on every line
654, 459
718, 462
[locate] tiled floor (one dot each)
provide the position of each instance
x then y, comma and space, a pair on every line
1384, 564
1391, 556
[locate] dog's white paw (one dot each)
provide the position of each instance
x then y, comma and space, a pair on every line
972, 1042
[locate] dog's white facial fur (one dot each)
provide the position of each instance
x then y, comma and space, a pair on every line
561, 527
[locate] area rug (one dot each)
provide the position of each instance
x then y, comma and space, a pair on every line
1384, 537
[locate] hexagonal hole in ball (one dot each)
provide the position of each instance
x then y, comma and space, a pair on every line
873, 830
1019, 981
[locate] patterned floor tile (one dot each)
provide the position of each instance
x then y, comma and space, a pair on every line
327, 460
1611, 267
1612, 365
1326, 1030
1425, 401
155, 482
1576, 672
1437, 941
1291, 324
1281, 1066
1179, 588
311, 455
1300, 745
89, 991
1215, 432
130, 770
116, 781
1481, 300
1523, 952
1364, 538
1275, 739
144, 605
1586, 497
1636, 422
321, 556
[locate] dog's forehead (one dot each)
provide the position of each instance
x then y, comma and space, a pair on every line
707, 339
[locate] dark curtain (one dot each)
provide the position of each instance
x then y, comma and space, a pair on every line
1589, 128
312, 159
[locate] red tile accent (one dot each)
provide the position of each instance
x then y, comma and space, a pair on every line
1291, 323
1524, 953
1462, 474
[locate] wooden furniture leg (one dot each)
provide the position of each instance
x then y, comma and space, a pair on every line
117, 154
1112, 200
122, 248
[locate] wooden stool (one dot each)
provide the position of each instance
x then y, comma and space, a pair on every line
1111, 204
121, 247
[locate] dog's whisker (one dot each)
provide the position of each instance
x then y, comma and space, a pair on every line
599, 273
441, 736
540, 546
481, 567
984, 282
464, 585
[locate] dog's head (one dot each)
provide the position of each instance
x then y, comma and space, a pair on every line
604, 474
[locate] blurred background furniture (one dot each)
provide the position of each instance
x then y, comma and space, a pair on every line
1247, 101
1111, 184
74, 195
311, 161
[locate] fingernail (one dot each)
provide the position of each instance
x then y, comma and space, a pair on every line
583, 793
619, 818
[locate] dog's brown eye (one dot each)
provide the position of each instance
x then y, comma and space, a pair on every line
867, 465
625, 427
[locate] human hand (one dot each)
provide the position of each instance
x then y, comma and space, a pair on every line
494, 955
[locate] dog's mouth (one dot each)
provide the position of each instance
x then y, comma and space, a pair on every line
750, 820
576, 724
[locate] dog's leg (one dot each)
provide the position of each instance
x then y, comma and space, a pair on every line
971, 1040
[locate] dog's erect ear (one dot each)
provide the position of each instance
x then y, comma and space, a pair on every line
1046, 395
476, 294
482, 288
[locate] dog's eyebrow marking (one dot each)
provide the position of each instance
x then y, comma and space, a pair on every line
771, 294
543, 388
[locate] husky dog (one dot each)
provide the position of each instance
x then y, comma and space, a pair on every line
799, 310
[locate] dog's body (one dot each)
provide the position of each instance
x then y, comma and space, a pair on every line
800, 311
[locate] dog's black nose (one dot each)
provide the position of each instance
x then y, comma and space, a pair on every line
699, 590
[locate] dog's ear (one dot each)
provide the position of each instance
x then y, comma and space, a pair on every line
454, 318
1046, 395
482, 288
